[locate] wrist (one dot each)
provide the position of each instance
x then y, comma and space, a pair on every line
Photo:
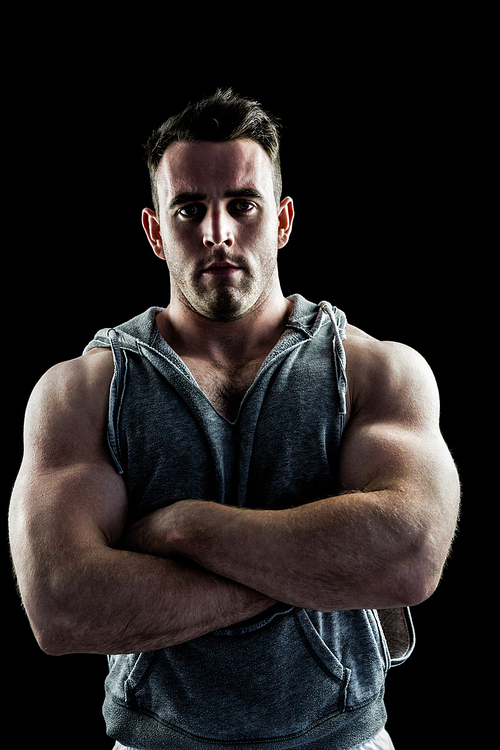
165, 532
149, 535
192, 525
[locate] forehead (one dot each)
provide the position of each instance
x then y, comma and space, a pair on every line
213, 168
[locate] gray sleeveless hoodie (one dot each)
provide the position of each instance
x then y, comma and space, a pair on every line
289, 678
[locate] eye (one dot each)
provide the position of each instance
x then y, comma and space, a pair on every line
243, 206
191, 211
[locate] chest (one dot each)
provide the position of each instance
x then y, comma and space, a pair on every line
226, 386
279, 451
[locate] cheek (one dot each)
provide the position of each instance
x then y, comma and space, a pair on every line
178, 243
175, 233
260, 234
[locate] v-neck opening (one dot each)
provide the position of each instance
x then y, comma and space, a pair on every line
293, 334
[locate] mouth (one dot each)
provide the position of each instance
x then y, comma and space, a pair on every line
221, 268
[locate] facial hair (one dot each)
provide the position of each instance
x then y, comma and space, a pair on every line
224, 299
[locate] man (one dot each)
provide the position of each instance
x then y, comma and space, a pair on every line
233, 504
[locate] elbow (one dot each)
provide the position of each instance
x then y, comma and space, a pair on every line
54, 635
419, 580
51, 644
418, 566
417, 590
52, 606
53, 626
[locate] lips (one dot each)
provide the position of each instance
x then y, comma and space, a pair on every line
221, 268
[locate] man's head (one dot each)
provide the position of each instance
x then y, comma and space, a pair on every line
218, 118
218, 223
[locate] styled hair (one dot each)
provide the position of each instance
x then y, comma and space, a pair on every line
224, 116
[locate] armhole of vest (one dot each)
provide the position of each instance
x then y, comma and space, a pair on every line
338, 320
340, 363
116, 394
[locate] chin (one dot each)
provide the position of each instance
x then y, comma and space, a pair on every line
225, 311
225, 305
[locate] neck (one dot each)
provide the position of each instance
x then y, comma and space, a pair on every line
237, 341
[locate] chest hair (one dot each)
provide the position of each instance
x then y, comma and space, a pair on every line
225, 386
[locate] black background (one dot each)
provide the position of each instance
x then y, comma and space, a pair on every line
384, 147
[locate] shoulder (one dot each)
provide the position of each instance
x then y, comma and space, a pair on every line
76, 380
67, 409
388, 379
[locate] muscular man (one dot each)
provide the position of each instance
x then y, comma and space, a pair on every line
238, 496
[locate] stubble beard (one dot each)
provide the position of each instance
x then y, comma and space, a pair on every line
225, 300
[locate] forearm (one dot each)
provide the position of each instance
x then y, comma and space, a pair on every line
345, 552
125, 602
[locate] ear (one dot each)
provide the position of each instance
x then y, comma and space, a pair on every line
285, 217
151, 226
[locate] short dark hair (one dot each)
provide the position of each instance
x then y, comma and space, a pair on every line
224, 116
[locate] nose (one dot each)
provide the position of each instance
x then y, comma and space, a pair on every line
217, 228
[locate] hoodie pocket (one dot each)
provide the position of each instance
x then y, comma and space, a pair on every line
275, 682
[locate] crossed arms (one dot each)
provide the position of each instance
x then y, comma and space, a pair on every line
90, 583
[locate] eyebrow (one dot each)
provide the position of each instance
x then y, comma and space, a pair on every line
246, 192
186, 198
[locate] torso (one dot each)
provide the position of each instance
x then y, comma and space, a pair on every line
227, 376
225, 386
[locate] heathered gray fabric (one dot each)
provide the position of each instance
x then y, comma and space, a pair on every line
291, 678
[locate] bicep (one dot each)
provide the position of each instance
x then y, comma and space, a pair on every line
63, 509
60, 519
393, 441
68, 497
385, 456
